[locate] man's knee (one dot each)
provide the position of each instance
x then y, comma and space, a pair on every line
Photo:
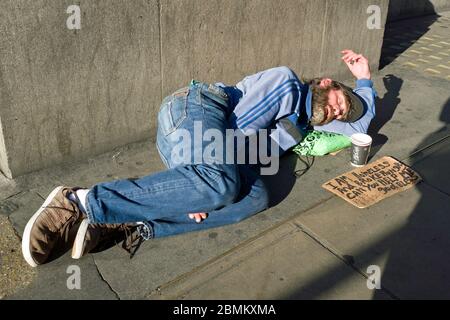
231, 182
259, 202
226, 184
262, 199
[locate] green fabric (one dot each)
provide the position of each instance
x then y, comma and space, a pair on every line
320, 143
194, 82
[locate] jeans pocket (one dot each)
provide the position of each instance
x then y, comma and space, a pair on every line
173, 111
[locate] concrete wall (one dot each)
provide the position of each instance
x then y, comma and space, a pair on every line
226, 40
70, 94
401, 9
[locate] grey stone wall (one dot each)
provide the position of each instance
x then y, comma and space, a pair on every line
68, 94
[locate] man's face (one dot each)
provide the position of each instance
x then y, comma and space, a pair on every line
337, 106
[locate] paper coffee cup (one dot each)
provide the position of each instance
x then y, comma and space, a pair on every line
360, 149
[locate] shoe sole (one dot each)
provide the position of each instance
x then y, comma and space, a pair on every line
27, 232
79, 243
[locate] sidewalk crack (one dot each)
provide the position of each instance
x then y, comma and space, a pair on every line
16, 232
348, 260
436, 188
104, 280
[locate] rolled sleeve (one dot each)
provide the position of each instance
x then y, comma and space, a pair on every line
364, 83
287, 132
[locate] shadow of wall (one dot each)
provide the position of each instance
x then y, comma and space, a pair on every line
418, 263
399, 34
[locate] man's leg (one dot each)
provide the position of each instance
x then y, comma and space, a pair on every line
253, 198
196, 187
191, 188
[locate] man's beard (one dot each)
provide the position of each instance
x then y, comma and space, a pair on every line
318, 116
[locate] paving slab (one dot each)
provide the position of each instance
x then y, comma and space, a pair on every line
405, 235
58, 280
401, 123
284, 263
20, 208
8, 188
435, 168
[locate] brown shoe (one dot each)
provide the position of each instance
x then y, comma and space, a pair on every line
99, 236
51, 230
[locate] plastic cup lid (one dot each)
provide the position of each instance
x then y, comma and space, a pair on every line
361, 139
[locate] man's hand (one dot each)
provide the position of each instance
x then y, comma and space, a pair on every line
357, 63
199, 217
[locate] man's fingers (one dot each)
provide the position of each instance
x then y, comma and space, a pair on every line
198, 216
349, 60
353, 56
356, 58
350, 57
201, 217
345, 56
359, 57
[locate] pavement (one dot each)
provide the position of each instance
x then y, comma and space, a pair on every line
310, 244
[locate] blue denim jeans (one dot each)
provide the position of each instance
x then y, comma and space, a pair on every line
229, 193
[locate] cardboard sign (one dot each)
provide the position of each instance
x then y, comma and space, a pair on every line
367, 185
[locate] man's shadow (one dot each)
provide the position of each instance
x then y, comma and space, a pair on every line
385, 107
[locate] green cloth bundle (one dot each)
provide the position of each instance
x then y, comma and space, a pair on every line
320, 143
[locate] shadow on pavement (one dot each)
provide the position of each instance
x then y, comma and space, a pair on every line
385, 110
423, 242
399, 35
445, 119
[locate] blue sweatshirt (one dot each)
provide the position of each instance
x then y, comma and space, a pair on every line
276, 99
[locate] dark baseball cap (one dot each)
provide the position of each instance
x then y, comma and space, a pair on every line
356, 108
